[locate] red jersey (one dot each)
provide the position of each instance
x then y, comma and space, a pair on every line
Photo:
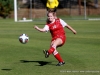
56, 29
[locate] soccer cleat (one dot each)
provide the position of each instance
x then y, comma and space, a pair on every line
46, 53
60, 63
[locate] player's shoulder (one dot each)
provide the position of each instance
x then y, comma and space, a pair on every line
57, 19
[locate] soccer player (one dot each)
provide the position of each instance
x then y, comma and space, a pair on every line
56, 28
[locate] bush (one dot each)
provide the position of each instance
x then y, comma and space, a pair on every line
6, 6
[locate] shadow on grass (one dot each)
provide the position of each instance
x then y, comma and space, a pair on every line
6, 69
41, 63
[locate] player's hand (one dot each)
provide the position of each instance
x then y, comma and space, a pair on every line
74, 32
36, 27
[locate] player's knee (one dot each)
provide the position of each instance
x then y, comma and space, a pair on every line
55, 52
54, 46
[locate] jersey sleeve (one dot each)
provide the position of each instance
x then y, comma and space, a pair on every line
46, 28
63, 23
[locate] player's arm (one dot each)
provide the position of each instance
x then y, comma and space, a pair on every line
64, 24
45, 29
70, 28
39, 29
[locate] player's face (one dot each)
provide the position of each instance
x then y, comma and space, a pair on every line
51, 17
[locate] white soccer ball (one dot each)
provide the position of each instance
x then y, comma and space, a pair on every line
23, 38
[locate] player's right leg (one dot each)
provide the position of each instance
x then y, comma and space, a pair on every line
46, 53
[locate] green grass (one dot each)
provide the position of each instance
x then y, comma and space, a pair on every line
81, 52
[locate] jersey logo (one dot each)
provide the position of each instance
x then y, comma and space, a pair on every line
54, 27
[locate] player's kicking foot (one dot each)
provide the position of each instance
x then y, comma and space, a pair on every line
60, 63
46, 53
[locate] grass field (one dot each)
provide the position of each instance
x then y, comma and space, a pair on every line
81, 52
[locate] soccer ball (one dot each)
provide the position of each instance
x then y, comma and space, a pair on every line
23, 38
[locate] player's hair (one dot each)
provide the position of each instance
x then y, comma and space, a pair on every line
47, 21
51, 12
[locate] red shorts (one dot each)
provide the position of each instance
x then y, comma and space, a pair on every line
62, 37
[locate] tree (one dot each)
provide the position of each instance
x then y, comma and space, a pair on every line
6, 6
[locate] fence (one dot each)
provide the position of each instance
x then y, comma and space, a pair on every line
67, 9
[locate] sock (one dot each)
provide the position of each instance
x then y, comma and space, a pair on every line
58, 57
51, 50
